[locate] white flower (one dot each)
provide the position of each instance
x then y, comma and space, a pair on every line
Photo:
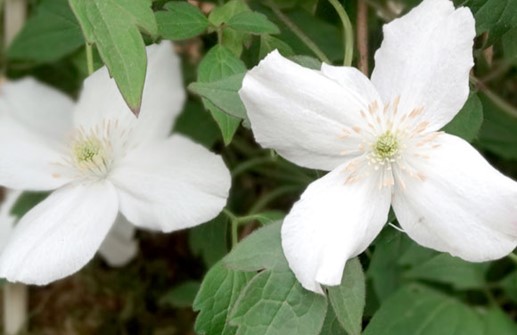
100, 159
382, 143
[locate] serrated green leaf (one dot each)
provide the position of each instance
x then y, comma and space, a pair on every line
223, 94
217, 294
180, 21
307, 61
182, 295
418, 310
447, 269
220, 63
274, 303
260, 250
209, 240
253, 23
467, 123
348, 299
493, 16
50, 34
196, 123
386, 276
224, 13
112, 25
331, 325
269, 43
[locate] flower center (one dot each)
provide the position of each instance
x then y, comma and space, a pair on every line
91, 154
386, 146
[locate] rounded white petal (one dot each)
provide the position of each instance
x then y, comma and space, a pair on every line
425, 60
34, 121
171, 185
162, 99
120, 246
7, 220
37, 107
333, 221
462, 206
305, 114
60, 235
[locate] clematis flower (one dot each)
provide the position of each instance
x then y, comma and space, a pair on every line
381, 140
100, 160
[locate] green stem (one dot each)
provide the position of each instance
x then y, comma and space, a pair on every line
496, 100
245, 166
89, 58
234, 224
269, 197
299, 33
348, 32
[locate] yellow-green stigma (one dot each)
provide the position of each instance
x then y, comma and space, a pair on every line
87, 150
386, 146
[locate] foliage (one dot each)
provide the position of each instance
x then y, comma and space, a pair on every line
237, 278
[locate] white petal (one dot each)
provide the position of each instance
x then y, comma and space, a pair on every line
60, 235
34, 121
303, 113
171, 185
425, 59
463, 206
120, 246
6, 218
333, 221
37, 107
162, 99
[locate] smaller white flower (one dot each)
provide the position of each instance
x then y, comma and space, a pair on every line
381, 141
100, 160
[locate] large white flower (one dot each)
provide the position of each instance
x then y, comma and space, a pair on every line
100, 159
382, 143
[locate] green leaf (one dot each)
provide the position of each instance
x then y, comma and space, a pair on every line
112, 25
26, 202
509, 285
180, 21
223, 94
209, 240
253, 23
384, 271
447, 269
498, 131
197, 124
260, 250
509, 41
274, 303
220, 63
307, 61
50, 34
497, 322
467, 123
331, 325
182, 295
493, 16
218, 293
417, 310
348, 299
269, 43
223, 14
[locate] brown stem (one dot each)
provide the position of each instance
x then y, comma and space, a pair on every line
362, 35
